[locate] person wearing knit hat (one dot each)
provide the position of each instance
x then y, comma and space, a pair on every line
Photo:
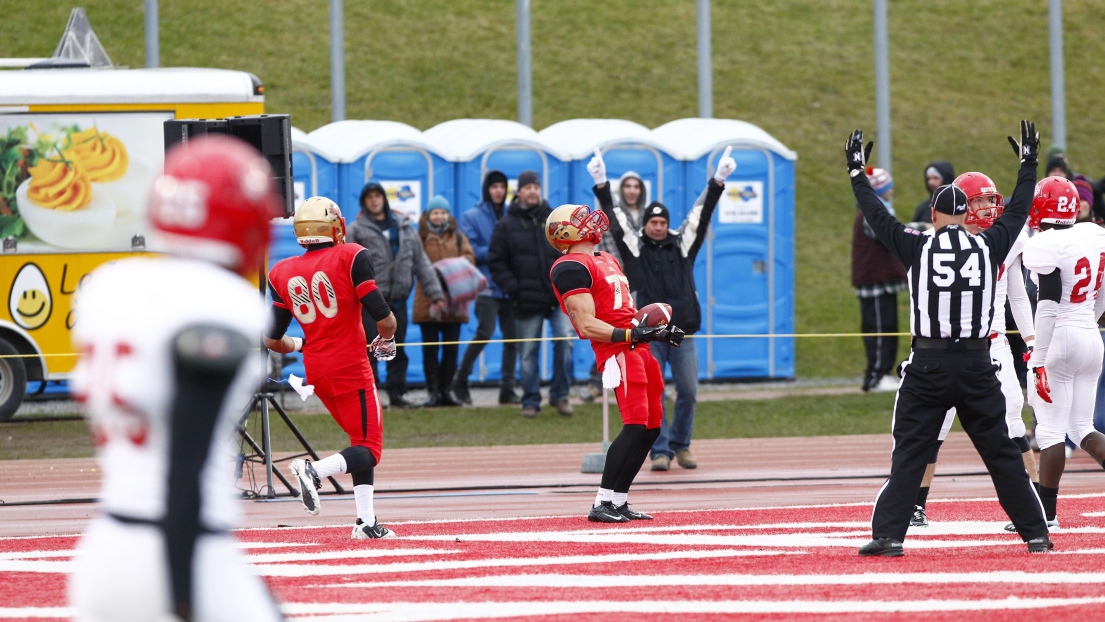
1085, 197
877, 277
1058, 166
520, 258
937, 173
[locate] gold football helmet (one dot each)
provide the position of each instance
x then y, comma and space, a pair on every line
317, 221
571, 224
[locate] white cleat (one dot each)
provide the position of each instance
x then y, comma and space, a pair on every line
309, 483
361, 531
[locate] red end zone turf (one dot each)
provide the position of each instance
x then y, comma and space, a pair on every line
757, 564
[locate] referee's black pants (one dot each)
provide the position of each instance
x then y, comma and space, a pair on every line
933, 381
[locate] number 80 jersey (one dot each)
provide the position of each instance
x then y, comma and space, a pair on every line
1079, 255
318, 288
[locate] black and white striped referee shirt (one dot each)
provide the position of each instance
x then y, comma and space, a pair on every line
951, 274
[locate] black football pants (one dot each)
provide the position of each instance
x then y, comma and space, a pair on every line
934, 381
879, 315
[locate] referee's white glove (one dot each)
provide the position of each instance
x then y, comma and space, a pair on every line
597, 168
725, 166
382, 349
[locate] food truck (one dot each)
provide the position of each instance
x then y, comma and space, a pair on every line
78, 151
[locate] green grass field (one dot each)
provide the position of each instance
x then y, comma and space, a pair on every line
962, 75
482, 427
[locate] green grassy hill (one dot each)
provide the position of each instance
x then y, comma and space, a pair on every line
962, 75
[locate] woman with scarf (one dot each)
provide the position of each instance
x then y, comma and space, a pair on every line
440, 324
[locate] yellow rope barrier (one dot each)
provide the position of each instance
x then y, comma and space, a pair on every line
489, 341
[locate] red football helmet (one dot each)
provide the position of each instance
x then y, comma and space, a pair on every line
570, 224
214, 201
1055, 201
978, 186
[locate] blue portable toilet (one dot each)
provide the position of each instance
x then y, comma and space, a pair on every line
626, 146
745, 272
314, 171
396, 156
477, 146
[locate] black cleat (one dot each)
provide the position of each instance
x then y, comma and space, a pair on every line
605, 512
1042, 544
920, 519
882, 547
625, 511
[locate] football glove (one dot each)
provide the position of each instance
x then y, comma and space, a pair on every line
725, 166
382, 349
1042, 388
1028, 150
675, 336
857, 155
597, 168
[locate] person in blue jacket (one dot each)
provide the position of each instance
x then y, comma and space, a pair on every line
477, 224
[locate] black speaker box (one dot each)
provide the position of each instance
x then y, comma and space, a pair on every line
271, 134
180, 130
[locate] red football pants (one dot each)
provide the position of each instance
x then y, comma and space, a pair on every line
640, 394
358, 413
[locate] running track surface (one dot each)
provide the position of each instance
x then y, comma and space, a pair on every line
764, 529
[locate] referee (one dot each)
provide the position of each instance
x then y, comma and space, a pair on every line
951, 290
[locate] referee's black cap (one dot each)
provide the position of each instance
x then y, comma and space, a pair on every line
949, 200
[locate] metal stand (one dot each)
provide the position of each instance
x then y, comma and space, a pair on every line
596, 463
262, 400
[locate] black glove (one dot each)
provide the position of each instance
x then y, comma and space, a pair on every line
857, 155
1028, 150
644, 334
675, 336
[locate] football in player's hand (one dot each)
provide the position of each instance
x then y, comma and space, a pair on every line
655, 314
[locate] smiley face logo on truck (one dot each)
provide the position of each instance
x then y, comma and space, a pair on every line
30, 302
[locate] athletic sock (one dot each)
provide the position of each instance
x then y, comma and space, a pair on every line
619, 499
1036, 485
605, 494
363, 496
922, 496
329, 466
1049, 497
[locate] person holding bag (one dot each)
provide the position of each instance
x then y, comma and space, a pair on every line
440, 323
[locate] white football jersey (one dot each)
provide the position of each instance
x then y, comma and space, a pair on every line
127, 315
1079, 254
1001, 288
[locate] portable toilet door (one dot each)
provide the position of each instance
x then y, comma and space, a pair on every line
478, 146
314, 171
626, 147
745, 271
410, 170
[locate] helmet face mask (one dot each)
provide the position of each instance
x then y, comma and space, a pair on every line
319, 221
984, 203
570, 224
214, 201
1055, 201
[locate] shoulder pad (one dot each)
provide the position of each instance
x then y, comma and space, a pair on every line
210, 348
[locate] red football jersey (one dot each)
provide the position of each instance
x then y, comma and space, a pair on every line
610, 290
317, 287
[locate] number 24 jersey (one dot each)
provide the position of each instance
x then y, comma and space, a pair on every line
1079, 254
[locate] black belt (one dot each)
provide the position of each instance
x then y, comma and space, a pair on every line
927, 343
134, 520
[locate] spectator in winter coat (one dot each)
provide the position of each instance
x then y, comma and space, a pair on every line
937, 173
477, 225
440, 240
520, 259
659, 263
878, 278
397, 256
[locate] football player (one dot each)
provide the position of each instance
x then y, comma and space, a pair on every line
325, 289
1067, 261
594, 293
984, 206
168, 364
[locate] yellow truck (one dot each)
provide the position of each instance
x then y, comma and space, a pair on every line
78, 151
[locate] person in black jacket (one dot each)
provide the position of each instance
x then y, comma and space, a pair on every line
937, 173
659, 264
520, 259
